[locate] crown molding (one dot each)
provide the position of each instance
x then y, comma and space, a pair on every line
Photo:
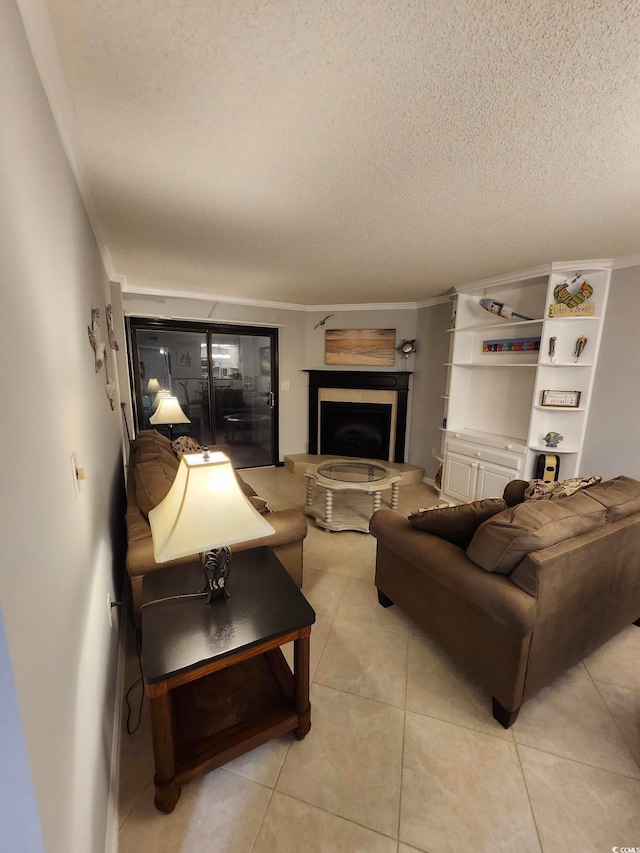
626, 261
436, 300
156, 293
46, 57
367, 306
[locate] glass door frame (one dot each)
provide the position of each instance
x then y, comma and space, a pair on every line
209, 329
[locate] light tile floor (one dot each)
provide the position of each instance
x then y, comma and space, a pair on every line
403, 753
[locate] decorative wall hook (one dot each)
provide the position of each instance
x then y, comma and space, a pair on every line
406, 348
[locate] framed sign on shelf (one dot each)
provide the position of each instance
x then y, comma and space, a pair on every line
561, 399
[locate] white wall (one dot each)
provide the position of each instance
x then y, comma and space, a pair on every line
429, 384
612, 443
57, 554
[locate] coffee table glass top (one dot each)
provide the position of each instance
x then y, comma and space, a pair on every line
345, 471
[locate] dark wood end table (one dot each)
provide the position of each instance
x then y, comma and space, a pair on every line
217, 681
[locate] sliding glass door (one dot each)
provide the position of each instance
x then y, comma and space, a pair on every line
223, 378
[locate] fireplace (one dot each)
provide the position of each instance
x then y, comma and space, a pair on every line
355, 429
358, 413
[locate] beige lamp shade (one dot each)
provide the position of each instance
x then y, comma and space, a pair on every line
169, 412
159, 395
204, 509
153, 386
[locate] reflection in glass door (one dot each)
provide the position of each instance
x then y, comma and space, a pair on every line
222, 378
243, 398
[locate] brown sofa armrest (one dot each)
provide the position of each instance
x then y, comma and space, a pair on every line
448, 565
290, 525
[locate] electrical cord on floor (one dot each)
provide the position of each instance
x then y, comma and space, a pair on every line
138, 635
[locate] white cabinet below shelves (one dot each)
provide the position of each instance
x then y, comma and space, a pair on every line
474, 471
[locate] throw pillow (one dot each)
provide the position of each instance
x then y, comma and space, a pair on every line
185, 444
540, 490
503, 541
456, 524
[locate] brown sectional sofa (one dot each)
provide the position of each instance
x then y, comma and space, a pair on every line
528, 593
152, 469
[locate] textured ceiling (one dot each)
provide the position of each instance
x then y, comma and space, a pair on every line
325, 152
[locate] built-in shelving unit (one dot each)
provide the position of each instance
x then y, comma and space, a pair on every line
494, 421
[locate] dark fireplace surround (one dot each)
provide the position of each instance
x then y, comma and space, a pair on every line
362, 428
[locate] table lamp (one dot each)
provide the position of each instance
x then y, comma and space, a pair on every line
153, 386
169, 412
204, 512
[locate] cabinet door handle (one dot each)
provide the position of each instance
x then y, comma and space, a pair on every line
478, 453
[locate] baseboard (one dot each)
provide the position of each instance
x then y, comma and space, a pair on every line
113, 812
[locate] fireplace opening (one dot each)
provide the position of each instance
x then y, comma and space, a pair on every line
355, 429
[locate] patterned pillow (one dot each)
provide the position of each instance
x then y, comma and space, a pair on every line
185, 444
539, 490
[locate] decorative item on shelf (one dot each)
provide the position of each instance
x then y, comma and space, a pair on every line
169, 412
512, 345
552, 349
561, 399
580, 345
406, 348
574, 304
552, 439
502, 310
204, 513
548, 467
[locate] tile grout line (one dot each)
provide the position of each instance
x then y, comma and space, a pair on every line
615, 722
526, 787
404, 737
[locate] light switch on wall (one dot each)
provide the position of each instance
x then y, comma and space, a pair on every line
285, 386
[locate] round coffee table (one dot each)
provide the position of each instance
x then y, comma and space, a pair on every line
352, 482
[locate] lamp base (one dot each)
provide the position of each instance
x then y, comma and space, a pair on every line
216, 565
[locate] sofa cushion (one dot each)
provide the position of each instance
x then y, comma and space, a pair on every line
501, 542
153, 480
620, 497
456, 524
541, 490
154, 436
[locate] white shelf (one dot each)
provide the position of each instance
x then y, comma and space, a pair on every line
561, 408
503, 442
566, 364
580, 317
490, 327
477, 364
559, 449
